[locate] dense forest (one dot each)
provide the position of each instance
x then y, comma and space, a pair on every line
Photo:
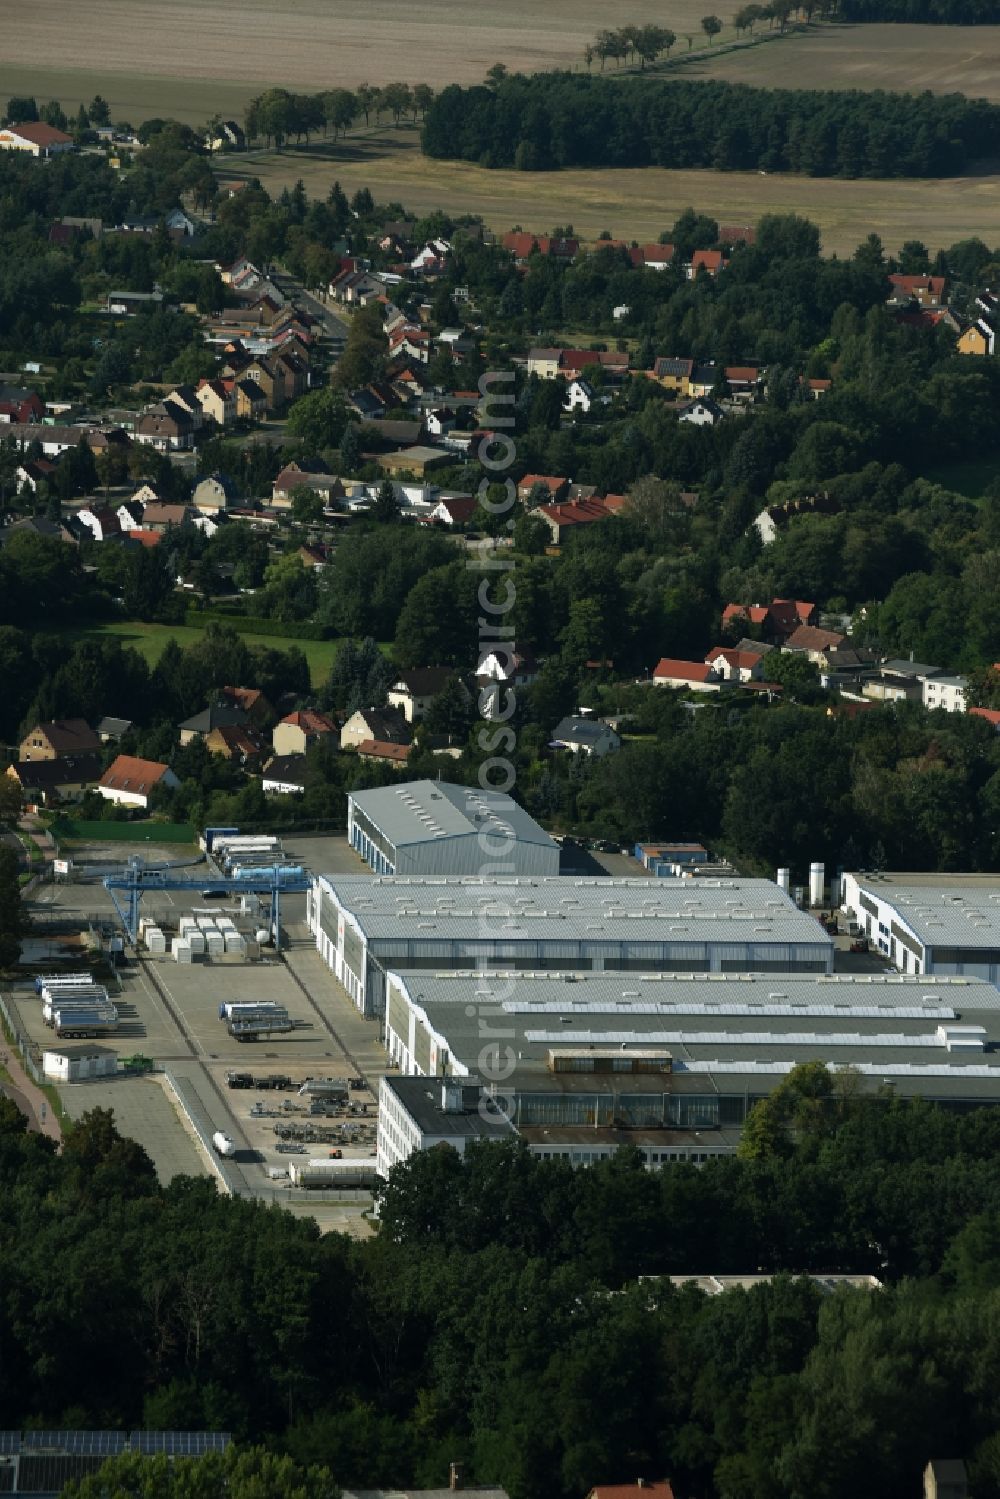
933, 12
552, 120
497, 1318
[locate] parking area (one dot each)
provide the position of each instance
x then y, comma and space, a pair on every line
169, 1012
144, 1112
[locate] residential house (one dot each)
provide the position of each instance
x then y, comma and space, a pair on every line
20, 405
946, 1478
700, 413
111, 730
945, 692
652, 257
125, 303
59, 737
533, 484
991, 715
925, 291
36, 138
644, 1489
581, 396
744, 381
439, 422
522, 246
697, 676
565, 517
706, 263
572, 362
284, 775
979, 337
166, 429
817, 389
383, 725
158, 518
38, 525
507, 665
454, 510
585, 736
459, 343
262, 374
432, 257
33, 472
217, 399
735, 665
214, 493
703, 379
297, 731
814, 643
228, 136
251, 402
413, 691
223, 713
544, 363
252, 700
129, 782
100, 520
417, 460
673, 374
304, 473
61, 779
384, 752
776, 620
239, 743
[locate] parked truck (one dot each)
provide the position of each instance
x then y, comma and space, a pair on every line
223, 1145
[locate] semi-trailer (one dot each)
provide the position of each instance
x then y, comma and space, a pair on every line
61, 980
223, 1145
326, 1173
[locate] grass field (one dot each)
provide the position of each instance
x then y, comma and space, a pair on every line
122, 47
943, 59
152, 639
635, 204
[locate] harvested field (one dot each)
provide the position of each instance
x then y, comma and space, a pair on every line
122, 45
637, 204
943, 59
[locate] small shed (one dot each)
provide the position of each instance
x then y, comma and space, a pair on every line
76, 1064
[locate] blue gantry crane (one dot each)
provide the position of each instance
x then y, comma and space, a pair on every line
127, 889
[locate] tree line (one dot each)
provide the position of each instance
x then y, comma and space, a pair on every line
554, 120
497, 1319
278, 115
933, 12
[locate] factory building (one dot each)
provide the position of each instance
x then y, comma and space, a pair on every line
432, 827
672, 1063
365, 927
930, 923
418, 1113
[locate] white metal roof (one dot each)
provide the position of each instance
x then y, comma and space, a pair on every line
421, 811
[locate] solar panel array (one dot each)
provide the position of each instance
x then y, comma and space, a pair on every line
111, 1443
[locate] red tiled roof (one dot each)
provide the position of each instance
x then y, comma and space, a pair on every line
687, 671
809, 638
662, 1490
756, 614
910, 286
577, 512
41, 134
127, 773
991, 715
707, 260
146, 538
380, 749
310, 721
737, 659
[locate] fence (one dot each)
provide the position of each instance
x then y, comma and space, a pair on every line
12, 1025
123, 832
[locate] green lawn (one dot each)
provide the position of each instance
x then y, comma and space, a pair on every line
152, 639
969, 477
